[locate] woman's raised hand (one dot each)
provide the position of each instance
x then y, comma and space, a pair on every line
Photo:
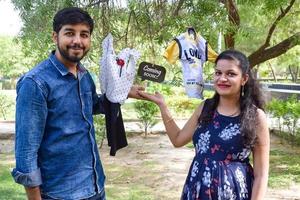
156, 98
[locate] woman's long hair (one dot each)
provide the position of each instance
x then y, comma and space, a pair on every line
250, 100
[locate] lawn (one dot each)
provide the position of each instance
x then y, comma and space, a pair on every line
284, 164
151, 169
9, 190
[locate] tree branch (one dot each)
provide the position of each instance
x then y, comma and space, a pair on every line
127, 28
273, 26
179, 5
97, 3
263, 55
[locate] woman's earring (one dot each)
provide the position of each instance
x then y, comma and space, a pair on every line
243, 91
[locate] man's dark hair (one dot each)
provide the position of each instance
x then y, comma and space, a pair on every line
72, 15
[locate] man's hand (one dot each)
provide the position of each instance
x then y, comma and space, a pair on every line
33, 193
134, 92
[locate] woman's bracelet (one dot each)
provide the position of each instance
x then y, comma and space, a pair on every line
169, 120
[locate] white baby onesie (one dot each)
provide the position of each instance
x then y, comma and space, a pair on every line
117, 72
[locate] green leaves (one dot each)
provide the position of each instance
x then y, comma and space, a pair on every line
146, 113
150, 25
12, 61
5, 105
100, 131
287, 112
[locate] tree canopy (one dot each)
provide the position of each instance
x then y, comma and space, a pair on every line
263, 29
12, 61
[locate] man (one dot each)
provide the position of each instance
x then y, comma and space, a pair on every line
56, 151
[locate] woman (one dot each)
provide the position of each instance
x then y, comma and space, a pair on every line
225, 130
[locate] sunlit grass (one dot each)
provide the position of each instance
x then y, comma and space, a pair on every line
284, 168
8, 188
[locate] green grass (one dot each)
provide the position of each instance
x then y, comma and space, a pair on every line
128, 182
8, 188
284, 168
190, 145
137, 181
130, 192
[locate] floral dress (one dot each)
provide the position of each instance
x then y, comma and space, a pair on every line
220, 169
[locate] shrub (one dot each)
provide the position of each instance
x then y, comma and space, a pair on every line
100, 129
5, 105
276, 108
183, 106
292, 114
287, 113
146, 113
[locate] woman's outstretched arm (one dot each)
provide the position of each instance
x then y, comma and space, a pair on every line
178, 137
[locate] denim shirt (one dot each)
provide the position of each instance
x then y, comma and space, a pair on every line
55, 139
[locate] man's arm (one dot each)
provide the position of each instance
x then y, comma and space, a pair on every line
31, 114
33, 193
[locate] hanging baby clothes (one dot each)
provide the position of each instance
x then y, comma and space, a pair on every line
117, 71
193, 52
116, 78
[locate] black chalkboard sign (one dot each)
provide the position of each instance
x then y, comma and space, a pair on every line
152, 72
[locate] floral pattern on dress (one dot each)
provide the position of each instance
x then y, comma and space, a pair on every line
206, 178
230, 131
203, 143
216, 124
227, 192
194, 171
242, 182
220, 170
242, 155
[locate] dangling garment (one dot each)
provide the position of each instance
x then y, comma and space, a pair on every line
116, 78
193, 53
117, 72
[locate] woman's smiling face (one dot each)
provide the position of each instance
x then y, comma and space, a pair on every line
228, 78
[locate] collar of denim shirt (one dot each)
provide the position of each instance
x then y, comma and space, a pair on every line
63, 70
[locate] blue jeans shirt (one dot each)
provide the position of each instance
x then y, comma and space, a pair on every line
55, 138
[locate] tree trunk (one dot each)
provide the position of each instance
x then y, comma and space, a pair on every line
273, 72
234, 19
292, 73
146, 129
255, 72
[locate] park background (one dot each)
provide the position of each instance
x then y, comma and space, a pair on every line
150, 168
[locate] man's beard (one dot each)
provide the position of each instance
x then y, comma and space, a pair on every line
66, 55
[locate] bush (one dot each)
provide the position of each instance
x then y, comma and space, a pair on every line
100, 129
6, 104
146, 113
183, 105
291, 139
277, 109
287, 113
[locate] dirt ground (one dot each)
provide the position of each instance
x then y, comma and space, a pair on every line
157, 165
